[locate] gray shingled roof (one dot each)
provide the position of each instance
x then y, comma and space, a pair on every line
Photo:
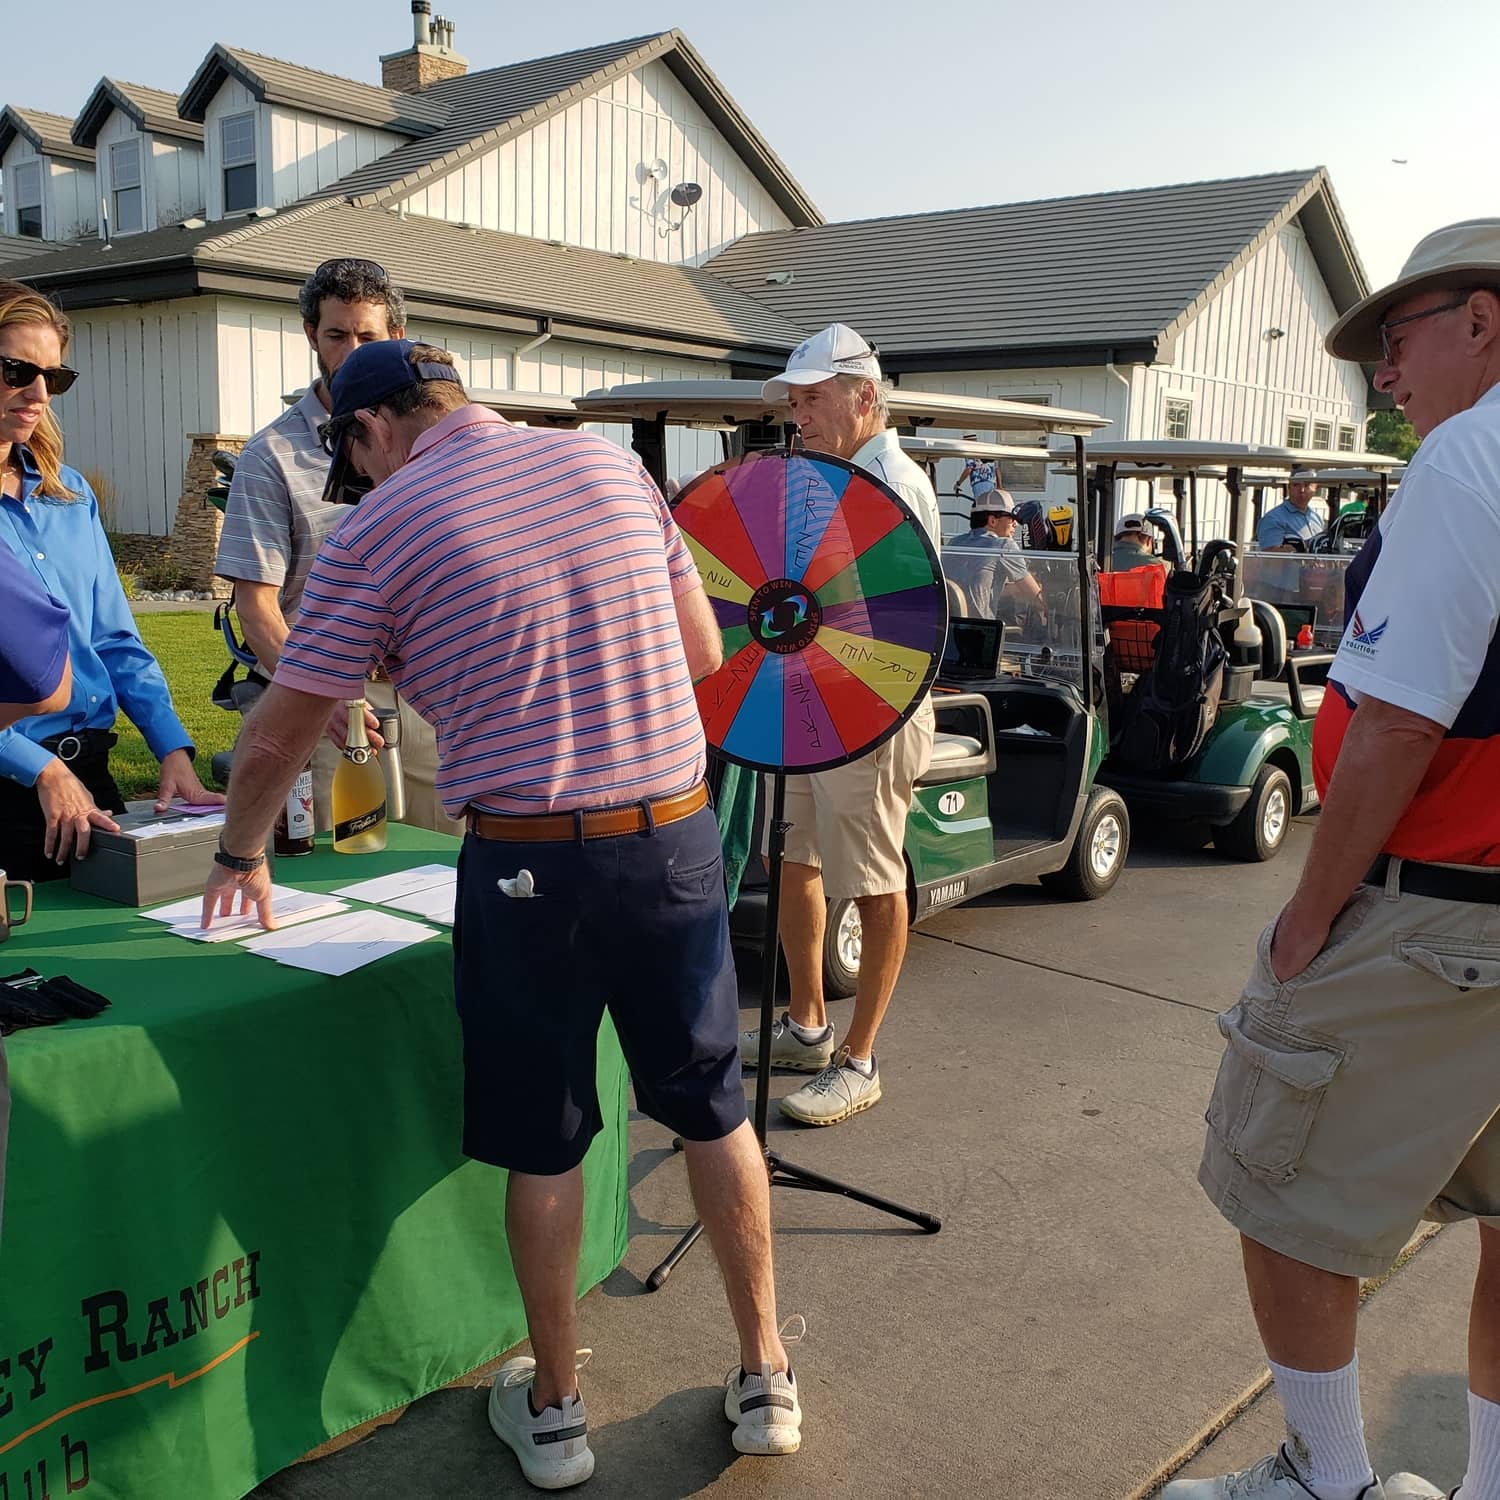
484, 108
151, 109
450, 267
277, 82
48, 133
16, 247
1106, 270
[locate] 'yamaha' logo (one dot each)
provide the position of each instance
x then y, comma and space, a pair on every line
949, 891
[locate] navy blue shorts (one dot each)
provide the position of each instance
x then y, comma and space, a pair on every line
636, 925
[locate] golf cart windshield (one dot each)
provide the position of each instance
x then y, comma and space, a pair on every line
1304, 589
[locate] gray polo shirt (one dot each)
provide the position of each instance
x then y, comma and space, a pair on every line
276, 518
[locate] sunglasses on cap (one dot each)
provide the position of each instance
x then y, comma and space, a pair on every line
19, 373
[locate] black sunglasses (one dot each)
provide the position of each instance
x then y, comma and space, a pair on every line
19, 373
331, 434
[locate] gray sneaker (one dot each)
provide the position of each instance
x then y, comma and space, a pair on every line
553, 1448
787, 1049
836, 1093
1273, 1478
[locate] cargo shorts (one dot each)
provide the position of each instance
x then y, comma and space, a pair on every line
850, 822
1360, 1096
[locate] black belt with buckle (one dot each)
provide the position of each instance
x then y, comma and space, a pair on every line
1480, 887
84, 744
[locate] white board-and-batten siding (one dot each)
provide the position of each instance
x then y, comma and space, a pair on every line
581, 177
148, 380
171, 174
68, 191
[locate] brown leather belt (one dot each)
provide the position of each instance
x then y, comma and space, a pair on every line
596, 823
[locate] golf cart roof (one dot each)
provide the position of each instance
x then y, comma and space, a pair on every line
537, 408
1148, 471
729, 403
935, 448
1360, 476
1184, 454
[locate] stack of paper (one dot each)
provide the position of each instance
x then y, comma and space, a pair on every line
195, 821
427, 891
290, 908
339, 945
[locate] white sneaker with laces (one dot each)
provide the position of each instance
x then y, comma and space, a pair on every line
1273, 1478
765, 1411
1413, 1487
836, 1093
788, 1050
553, 1448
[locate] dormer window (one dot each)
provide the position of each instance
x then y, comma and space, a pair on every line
237, 134
129, 216
26, 188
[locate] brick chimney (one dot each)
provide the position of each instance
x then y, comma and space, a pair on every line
430, 57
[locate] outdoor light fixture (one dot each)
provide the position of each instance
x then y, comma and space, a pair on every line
1274, 333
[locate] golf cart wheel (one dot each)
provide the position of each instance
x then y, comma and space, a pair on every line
1099, 851
1260, 828
843, 941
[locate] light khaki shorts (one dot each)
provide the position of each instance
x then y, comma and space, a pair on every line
1360, 1097
851, 822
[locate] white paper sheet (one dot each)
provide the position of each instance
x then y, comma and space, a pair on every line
436, 903
285, 897
174, 825
291, 908
342, 944
384, 890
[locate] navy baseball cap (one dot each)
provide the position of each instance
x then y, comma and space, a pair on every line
373, 373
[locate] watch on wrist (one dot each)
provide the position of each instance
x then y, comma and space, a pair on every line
235, 862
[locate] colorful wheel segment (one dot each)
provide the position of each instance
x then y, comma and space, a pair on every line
831, 603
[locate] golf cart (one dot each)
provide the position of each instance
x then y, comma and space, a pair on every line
930, 452
1356, 498
1250, 770
1010, 794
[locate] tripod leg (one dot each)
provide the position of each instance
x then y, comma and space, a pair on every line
655, 1280
787, 1174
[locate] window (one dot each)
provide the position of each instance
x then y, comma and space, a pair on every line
1178, 417
1348, 438
1022, 473
1323, 435
26, 185
1296, 432
129, 216
237, 134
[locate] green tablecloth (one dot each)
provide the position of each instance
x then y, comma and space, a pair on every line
237, 1221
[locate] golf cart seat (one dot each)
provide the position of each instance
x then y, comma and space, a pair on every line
958, 601
1280, 676
966, 747
1273, 642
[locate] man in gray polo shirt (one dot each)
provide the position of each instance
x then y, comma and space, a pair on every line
276, 518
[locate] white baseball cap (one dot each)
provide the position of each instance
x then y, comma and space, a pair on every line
838, 350
1132, 525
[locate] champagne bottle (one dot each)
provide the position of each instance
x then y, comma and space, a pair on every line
359, 822
294, 828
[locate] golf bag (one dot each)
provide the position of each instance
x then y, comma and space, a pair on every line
1167, 714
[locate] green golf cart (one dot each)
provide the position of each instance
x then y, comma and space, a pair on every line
1252, 772
1011, 792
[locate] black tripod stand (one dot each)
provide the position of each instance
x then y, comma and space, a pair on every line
782, 1172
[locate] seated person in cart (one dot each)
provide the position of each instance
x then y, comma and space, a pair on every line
989, 567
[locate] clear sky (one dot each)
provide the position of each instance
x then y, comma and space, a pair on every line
889, 108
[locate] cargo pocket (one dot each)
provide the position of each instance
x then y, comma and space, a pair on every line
1466, 966
1271, 1082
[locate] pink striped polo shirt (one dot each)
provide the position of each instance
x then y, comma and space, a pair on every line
519, 585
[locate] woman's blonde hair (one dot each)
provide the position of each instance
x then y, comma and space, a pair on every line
19, 304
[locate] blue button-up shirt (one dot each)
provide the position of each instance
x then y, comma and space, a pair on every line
1283, 522
64, 544
33, 635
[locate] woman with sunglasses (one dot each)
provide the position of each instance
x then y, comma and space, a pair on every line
55, 786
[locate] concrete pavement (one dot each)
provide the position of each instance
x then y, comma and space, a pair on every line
1080, 1316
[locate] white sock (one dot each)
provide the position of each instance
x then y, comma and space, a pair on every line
1483, 1477
1325, 1431
865, 1065
807, 1034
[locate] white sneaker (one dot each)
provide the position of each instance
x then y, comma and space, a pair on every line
765, 1411
1412, 1487
836, 1093
1273, 1478
788, 1050
553, 1448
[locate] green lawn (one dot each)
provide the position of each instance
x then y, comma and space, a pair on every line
192, 654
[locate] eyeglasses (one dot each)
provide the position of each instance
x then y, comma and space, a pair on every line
19, 373
331, 434
367, 268
1387, 353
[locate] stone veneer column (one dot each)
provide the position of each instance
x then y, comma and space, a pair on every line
195, 532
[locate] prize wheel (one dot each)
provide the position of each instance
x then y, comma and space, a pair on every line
831, 602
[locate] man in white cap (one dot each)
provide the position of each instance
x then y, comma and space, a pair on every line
1132, 546
847, 825
1292, 525
988, 565
1359, 1094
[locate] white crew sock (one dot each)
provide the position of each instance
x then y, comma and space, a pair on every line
1483, 1478
807, 1034
1325, 1431
865, 1065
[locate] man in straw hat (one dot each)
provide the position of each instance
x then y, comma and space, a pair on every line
1359, 1093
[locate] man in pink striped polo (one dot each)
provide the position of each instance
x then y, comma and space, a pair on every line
529, 594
